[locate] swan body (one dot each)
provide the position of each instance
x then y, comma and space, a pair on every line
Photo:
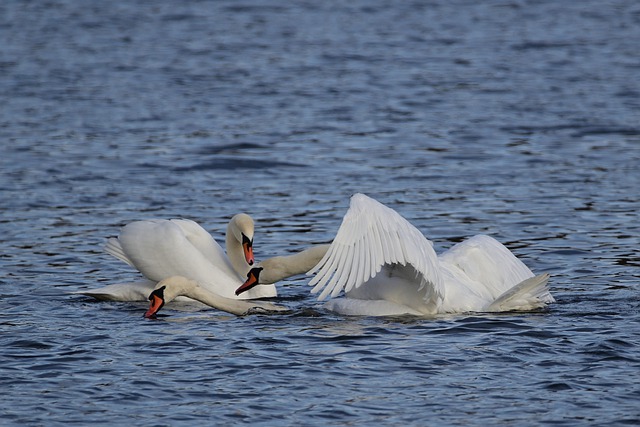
179, 247
385, 266
170, 288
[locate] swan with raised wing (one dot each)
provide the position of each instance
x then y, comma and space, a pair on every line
170, 288
385, 266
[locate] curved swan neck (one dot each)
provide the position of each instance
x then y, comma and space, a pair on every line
236, 255
240, 225
169, 289
281, 267
191, 289
237, 307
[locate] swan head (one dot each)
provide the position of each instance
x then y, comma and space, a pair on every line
241, 228
253, 279
166, 291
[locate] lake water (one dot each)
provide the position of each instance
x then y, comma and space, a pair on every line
518, 119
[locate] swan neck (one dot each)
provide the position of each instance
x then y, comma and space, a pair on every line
281, 267
237, 307
235, 252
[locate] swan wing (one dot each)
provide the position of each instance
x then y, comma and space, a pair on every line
193, 232
202, 240
373, 236
114, 248
529, 294
487, 261
161, 249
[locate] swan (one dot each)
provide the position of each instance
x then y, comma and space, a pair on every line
386, 266
160, 248
170, 288
163, 248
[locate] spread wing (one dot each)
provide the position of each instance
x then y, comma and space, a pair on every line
373, 236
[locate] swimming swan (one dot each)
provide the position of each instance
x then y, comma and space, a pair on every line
164, 248
168, 289
160, 248
385, 266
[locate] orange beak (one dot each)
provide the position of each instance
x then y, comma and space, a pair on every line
157, 301
247, 246
253, 278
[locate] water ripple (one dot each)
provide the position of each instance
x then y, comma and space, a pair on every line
455, 116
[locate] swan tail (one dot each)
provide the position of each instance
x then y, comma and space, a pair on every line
529, 294
113, 247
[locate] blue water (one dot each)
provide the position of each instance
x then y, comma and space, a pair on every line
518, 119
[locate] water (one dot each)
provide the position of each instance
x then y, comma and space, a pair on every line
513, 118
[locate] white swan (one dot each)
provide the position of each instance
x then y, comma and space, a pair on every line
179, 247
170, 288
163, 248
386, 266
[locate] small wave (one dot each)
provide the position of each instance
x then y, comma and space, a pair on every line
227, 163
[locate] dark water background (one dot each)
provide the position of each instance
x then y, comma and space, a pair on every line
520, 119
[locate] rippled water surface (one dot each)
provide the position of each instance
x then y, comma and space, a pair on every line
518, 119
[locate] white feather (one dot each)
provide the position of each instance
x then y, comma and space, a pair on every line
373, 236
160, 248
377, 256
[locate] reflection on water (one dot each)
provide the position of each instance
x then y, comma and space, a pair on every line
517, 120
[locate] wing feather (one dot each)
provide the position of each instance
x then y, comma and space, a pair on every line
377, 250
324, 275
357, 272
114, 248
165, 248
344, 263
371, 236
397, 248
204, 242
366, 271
322, 261
385, 253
